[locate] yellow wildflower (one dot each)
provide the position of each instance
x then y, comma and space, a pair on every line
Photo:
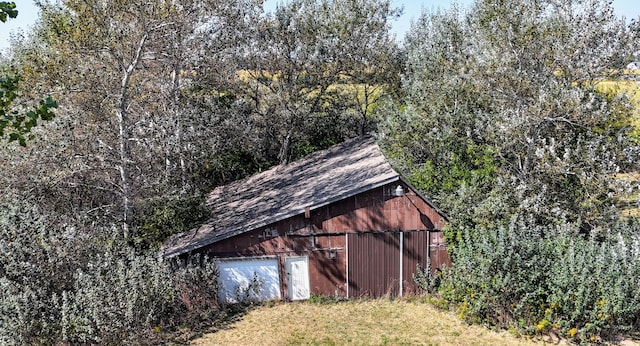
542, 325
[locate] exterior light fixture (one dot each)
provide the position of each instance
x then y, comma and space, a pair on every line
399, 191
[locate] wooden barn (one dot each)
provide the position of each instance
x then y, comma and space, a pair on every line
340, 222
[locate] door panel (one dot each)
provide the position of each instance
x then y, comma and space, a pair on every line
297, 277
254, 279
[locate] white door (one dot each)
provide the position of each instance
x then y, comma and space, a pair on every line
297, 277
248, 279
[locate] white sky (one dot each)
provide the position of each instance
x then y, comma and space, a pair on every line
28, 14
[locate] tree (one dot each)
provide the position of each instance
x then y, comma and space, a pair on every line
504, 114
315, 70
160, 103
129, 130
505, 124
114, 40
16, 123
199, 54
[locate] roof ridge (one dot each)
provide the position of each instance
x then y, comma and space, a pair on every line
283, 167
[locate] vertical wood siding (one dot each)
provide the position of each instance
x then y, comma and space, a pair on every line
372, 221
374, 261
374, 264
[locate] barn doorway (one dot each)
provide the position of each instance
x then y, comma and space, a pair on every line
297, 269
248, 279
383, 263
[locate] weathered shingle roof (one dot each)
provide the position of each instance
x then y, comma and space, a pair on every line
284, 191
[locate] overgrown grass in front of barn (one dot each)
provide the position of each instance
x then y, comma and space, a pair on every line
356, 322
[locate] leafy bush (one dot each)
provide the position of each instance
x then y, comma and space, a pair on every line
196, 284
548, 278
62, 285
161, 218
116, 298
426, 279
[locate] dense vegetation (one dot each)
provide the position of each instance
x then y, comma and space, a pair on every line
505, 123
158, 102
498, 113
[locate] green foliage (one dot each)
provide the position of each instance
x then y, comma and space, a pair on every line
16, 124
227, 166
426, 279
61, 284
162, 218
503, 114
196, 286
467, 165
540, 279
118, 296
7, 10
505, 125
325, 299
321, 69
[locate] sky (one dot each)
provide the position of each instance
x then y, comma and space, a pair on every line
28, 14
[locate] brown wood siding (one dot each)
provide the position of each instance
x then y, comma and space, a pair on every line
372, 220
374, 261
438, 251
327, 272
376, 210
374, 264
416, 251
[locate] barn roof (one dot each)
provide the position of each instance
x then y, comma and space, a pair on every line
321, 178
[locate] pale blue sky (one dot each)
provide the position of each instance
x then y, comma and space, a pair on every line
412, 9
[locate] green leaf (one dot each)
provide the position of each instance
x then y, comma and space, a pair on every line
7, 10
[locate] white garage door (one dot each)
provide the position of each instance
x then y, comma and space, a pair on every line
249, 279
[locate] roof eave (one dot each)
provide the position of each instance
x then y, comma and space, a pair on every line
284, 216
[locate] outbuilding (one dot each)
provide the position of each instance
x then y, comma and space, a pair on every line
340, 222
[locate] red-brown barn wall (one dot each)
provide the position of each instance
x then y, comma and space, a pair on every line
322, 237
415, 254
377, 210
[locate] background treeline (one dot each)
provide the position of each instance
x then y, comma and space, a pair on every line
515, 117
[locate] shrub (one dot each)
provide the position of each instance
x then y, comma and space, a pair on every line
426, 279
196, 284
162, 218
59, 284
548, 278
117, 297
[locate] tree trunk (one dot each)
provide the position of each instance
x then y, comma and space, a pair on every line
175, 105
123, 137
283, 156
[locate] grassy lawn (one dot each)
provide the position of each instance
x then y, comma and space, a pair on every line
368, 322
